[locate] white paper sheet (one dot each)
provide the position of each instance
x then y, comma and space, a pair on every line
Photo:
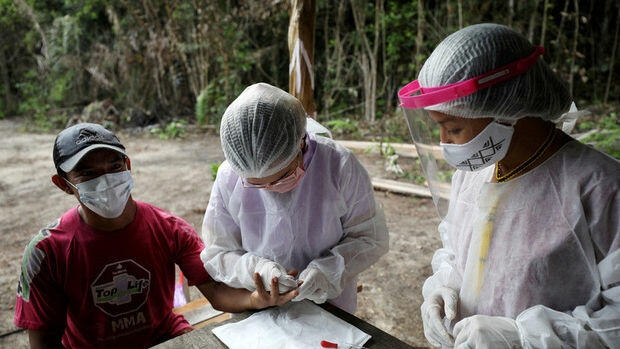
294, 325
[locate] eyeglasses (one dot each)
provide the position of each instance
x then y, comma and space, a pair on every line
289, 177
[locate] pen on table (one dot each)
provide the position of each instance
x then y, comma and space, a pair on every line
328, 344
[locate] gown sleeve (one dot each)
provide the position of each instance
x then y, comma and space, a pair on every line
224, 256
366, 236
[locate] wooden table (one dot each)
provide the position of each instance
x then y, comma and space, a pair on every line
204, 338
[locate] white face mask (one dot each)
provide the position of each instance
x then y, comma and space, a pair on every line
487, 148
107, 194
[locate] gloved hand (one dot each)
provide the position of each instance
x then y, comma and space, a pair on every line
314, 286
481, 331
441, 303
268, 270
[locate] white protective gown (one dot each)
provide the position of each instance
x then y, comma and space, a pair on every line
543, 248
330, 219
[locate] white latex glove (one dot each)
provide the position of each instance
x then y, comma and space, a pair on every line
268, 270
314, 286
441, 303
481, 331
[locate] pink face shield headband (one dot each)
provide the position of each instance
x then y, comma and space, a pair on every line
412, 96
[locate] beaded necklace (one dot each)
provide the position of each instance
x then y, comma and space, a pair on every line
527, 162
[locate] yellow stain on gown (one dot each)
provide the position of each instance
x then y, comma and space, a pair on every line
485, 242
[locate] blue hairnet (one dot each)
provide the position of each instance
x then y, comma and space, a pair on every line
261, 131
481, 48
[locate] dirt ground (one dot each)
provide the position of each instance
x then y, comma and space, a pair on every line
176, 175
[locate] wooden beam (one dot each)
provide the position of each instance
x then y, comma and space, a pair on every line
301, 51
400, 187
403, 149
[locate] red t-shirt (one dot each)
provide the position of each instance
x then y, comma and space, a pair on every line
108, 289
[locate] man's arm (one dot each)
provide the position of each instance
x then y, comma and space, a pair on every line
237, 300
45, 339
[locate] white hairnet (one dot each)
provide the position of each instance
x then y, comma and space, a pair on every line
481, 48
261, 131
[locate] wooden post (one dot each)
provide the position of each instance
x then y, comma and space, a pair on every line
301, 53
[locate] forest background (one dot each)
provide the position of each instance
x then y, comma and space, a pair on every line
166, 63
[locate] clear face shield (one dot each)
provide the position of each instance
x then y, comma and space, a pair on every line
426, 132
426, 137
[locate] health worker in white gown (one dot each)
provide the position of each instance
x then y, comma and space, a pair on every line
531, 236
288, 201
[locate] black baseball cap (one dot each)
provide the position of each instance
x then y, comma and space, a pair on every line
74, 142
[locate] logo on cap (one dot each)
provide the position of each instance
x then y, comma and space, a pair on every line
88, 136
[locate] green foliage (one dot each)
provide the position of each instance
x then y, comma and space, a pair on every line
210, 105
216, 102
214, 168
414, 177
388, 150
31, 103
605, 135
174, 129
400, 19
201, 108
445, 176
343, 126
394, 129
182, 60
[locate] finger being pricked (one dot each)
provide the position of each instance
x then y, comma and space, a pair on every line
293, 272
258, 282
277, 298
273, 298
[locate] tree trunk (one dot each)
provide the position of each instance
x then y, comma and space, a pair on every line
571, 73
29, 13
612, 61
338, 47
511, 11
543, 30
301, 51
449, 14
533, 21
9, 97
419, 40
367, 55
460, 8
558, 38
372, 101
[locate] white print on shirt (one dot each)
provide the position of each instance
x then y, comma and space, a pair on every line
121, 287
128, 322
31, 262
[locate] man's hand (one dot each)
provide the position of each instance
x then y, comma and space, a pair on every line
45, 339
261, 298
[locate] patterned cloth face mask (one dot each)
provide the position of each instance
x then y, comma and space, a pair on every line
487, 148
107, 194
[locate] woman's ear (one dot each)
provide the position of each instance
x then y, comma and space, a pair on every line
61, 183
128, 162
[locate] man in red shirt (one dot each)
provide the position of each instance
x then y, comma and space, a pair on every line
103, 274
